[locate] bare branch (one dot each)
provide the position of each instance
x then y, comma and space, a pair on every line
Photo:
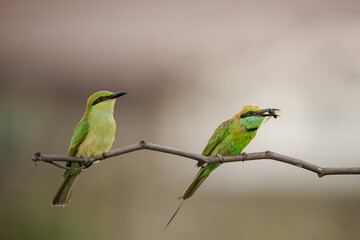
321, 171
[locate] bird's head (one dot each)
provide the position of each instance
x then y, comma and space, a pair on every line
103, 100
252, 116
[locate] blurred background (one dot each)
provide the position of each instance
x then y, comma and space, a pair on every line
187, 66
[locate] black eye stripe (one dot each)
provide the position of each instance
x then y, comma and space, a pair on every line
247, 114
99, 99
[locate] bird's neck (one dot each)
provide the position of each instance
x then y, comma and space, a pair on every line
251, 124
100, 115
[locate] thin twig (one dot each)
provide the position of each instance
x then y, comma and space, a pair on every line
321, 171
64, 167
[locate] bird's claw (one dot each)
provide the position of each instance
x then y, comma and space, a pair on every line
221, 158
86, 161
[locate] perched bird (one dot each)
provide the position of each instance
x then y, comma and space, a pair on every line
230, 138
93, 136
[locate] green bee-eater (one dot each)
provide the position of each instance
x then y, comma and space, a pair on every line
230, 138
93, 136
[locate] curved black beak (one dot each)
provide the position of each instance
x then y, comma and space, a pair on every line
117, 94
270, 112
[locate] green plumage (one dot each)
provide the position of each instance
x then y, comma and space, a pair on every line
230, 138
93, 136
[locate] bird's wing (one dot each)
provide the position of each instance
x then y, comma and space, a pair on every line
79, 135
220, 133
62, 196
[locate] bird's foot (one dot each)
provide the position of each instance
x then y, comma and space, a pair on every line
221, 158
87, 162
86, 159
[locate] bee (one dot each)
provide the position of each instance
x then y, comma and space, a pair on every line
273, 112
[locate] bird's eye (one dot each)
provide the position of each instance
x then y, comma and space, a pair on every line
251, 112
101, 98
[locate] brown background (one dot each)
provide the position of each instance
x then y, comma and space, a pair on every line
187, 66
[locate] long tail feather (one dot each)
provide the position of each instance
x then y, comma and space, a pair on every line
203, 173
63, 194
175, 213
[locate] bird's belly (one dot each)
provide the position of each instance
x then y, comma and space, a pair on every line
93, 146
98, 140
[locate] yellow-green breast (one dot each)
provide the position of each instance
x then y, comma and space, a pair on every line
101, 134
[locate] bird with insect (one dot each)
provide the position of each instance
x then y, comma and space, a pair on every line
230, 138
